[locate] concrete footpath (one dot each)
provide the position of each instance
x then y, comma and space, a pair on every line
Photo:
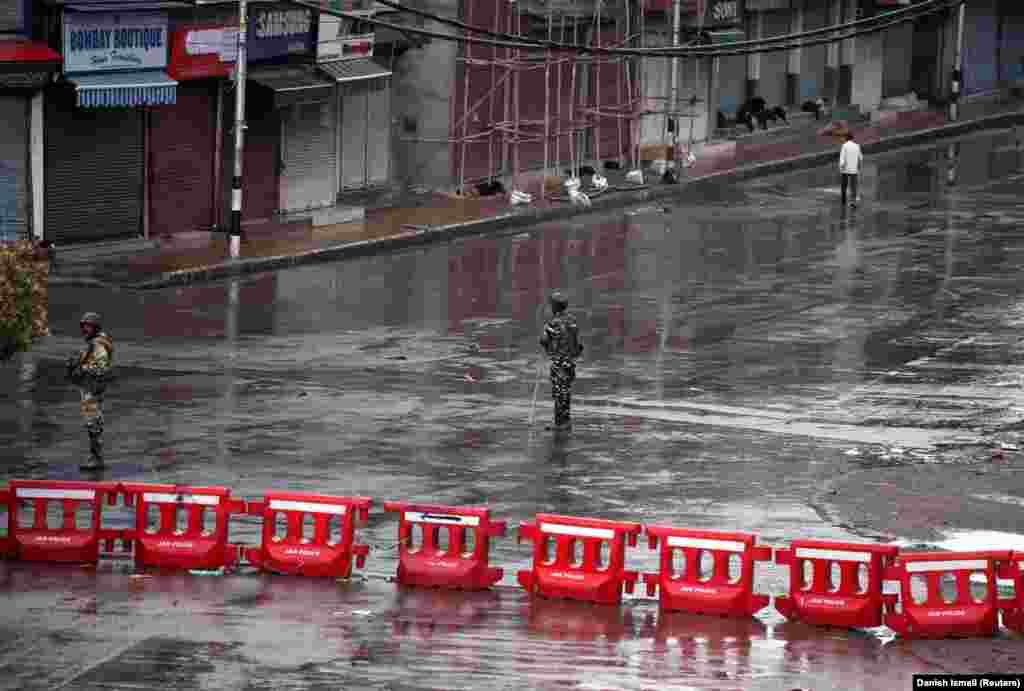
433, 218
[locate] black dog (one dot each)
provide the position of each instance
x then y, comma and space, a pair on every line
757, 109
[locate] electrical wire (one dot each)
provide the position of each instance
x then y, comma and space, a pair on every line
664, 49
763, 45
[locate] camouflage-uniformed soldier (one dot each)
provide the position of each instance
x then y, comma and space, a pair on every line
90, 370
561, 341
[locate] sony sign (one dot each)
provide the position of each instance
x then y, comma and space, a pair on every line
724, 13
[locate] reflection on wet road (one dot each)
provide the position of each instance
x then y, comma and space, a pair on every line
753, 354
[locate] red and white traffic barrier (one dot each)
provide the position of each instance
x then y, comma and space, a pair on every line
719, 592
329, 551
446, 563
598, 575
950, 606
1013, 570
182, 527
53, 534
851, 598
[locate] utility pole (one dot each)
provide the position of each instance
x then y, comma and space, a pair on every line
236, 180
958, 64
673, 104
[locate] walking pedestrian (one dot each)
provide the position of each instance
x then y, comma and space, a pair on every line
849, 168
90, 371
561, 341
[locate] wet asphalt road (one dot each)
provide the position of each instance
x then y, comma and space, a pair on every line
756, 359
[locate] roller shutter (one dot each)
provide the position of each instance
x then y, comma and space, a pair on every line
13, 168
182, 160
378, 136
353, 135
813, 58
772, 86
980, 46
1012, 51
732, 80
94, 171
260, 161
308, 140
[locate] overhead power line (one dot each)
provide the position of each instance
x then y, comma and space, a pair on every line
833, 34
671, 50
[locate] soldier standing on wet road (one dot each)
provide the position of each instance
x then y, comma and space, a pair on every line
90, 371
561, 341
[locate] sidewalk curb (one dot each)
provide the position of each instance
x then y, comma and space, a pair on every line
530, 216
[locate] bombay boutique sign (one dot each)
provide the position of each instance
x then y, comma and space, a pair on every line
117, 41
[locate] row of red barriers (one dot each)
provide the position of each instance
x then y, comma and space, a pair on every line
941, 594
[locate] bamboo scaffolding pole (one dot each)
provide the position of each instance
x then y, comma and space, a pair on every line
506, 153
621, 76
572, 109
596, 80
547, 109
518, 19
494, 73
466, 68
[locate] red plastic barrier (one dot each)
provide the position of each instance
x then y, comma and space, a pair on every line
855, 601
7, 505
598, 576
935, 615
714, 593
1013, 617
58, 502
181, 527
321, 554
429, 564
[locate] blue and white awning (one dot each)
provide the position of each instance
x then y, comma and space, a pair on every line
125, 89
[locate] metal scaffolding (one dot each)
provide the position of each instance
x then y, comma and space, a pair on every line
590, 108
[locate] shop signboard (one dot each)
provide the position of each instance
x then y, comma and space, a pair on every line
95, 42
341, 38
280, 31
723, 14
203, 51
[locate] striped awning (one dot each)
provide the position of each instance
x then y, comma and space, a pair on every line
125, 89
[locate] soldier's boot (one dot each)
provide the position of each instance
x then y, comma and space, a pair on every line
95, 461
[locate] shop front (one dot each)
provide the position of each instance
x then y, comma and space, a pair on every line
362, 102
114, 69
291, 136
725, 21
183, 153
25, 68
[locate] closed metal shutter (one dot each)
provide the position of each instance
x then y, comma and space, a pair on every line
732, 80
1012, 51
378, 140
308, 140
260, 162
353, 135
94, 171
980, 46
774, 64
182, 160
12, 17
13, 168
898, 59
813, 58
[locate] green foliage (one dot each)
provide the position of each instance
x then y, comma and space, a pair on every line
23, 297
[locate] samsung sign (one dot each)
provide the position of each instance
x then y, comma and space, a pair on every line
104, 42
275, 33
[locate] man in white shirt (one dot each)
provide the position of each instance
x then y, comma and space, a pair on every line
849, 168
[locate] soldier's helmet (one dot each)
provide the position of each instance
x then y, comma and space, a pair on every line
91, 318
558, 301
